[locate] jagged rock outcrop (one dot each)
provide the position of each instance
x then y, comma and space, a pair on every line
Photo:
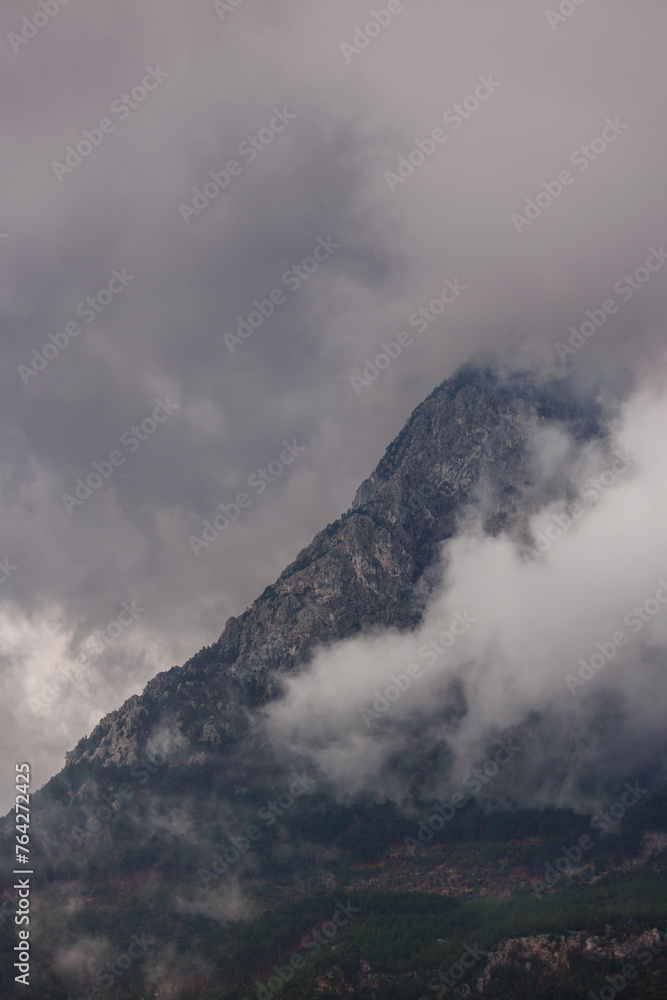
554, 952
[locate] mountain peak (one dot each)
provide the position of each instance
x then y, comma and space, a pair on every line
373, 567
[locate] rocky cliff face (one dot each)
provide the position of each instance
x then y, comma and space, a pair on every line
376, 565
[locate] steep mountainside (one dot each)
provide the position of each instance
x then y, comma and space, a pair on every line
466, 441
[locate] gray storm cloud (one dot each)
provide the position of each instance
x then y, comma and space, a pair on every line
220, 77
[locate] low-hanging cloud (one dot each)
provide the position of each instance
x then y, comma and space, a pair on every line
504, 644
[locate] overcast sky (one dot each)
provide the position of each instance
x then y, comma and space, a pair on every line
113, 115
